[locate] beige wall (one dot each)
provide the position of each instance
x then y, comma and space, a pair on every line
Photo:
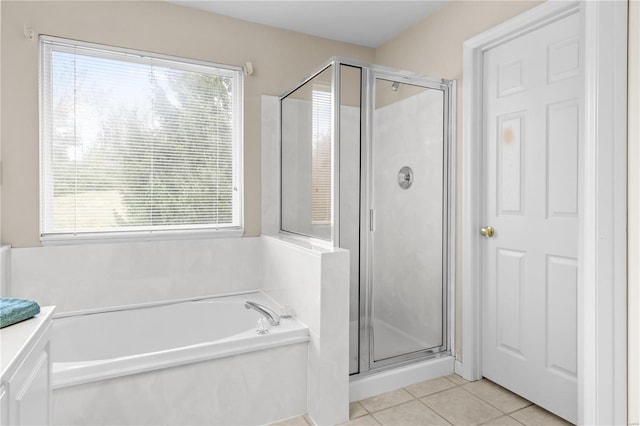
434, 47
0, 122
634, 213
280, 58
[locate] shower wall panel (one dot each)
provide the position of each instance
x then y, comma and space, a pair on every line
296, 161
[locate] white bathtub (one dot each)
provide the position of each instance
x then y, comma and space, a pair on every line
196, 345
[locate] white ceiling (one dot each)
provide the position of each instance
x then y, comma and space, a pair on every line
366, 23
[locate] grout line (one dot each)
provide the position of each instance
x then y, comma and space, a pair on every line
506, 390
391, 406
516, 420
435, 411
386, 408
521, 408
450, 381
358, 403
501, 413
375, 419
506, 415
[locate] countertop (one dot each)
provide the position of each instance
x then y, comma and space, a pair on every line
17, 339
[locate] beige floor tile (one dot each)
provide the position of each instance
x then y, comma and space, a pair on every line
362, 421
460, 407
410, 413
503, 421
293, 421
497, 396
356, 410
430, 386
536, 416
386, 400
457, 379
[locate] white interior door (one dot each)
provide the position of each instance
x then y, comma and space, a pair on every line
532, 143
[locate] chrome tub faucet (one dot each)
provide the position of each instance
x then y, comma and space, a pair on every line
269, 314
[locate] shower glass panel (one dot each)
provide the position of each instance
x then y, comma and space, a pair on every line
349, 238
408, 157
307, 152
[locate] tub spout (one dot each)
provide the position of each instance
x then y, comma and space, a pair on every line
270, 315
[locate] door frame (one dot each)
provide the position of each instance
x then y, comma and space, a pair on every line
602, 236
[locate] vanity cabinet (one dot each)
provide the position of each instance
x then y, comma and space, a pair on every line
25, 389
4, 405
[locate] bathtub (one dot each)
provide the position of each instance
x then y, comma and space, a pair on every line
194, 362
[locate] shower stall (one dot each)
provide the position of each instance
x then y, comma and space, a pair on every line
366, 165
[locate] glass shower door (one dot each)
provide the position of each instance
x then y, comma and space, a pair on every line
408, 223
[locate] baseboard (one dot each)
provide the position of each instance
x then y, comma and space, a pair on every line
458, 368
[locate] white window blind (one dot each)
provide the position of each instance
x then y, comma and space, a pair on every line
321, 157
133, 142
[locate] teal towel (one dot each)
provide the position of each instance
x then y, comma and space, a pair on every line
16, 310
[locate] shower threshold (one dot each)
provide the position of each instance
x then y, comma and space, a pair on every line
376, 382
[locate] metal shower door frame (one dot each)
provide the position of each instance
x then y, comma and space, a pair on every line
370, 74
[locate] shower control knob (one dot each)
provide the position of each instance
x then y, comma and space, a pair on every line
486, 231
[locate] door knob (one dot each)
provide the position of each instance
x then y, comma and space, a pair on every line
486, 231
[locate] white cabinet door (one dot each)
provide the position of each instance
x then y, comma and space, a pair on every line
33, 396
4, 405
30, 388
532, 142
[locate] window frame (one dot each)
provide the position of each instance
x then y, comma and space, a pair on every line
50, 43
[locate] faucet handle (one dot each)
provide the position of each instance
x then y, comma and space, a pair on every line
286, 312
262, 326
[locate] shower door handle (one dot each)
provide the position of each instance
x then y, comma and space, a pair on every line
487, 231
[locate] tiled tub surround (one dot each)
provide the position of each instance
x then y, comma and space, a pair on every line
313, 281
90, 276
199, 362
192, 394
270, 131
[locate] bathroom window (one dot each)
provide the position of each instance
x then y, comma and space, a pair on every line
134, 143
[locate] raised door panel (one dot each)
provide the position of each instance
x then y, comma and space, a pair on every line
509, 151
509, 308
563, 121
561, 315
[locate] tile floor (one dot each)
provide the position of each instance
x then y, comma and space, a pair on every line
447, 400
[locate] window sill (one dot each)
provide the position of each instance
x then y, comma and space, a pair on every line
124, 237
